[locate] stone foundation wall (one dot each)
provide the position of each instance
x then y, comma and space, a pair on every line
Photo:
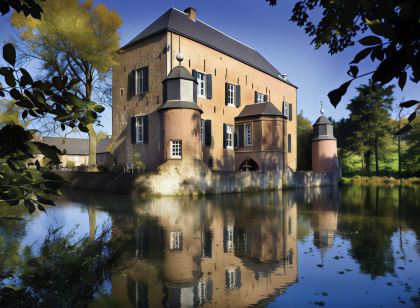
174, 178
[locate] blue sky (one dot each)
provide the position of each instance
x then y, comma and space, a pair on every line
266, 29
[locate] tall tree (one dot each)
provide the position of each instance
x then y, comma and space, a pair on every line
393, 42
74, 39
304, 141
411, 157
369, 118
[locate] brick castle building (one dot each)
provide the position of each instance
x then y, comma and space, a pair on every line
184, 91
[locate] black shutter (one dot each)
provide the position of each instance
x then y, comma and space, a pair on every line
241, 135
209, 86
133, 130
256, 97
238, 96
238, 277
146, 79
289, 143
207, 132
194, 74
235, 138
165, 91
265, 98
224, 135
226, 93
131, 84
146, 128
290, 112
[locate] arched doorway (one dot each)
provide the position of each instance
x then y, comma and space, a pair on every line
249, 165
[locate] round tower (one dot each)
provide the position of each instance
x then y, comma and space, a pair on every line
181, 116
324, 146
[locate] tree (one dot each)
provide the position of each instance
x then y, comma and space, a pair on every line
9, 113
304, 141
395, 44
369, 119
411, 157
77, 40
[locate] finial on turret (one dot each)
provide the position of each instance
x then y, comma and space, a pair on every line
322, 108
179, 57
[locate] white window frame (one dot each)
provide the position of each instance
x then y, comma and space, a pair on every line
248, 134
176, 149
175, 240
229, 136
260, 98
201, 86
140, 81
202, 131
286, 109
231, 94
139, 130
229, 238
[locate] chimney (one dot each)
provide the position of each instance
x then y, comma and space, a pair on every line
192, 13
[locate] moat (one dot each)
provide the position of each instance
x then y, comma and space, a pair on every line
348, 246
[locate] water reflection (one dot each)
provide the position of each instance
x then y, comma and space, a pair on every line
287, 248
207, 252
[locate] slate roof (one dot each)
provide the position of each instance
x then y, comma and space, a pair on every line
72, 146
267, 109
180, 105
322, 120
180, 72
103, 146
178, 22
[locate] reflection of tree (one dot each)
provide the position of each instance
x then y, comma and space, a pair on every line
368, 221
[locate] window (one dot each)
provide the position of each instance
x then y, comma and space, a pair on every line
142, 80
139, 130
259, 98
229, 239
289, 143
176, 149
229, 136
121, 91
202, 131
248, 134
231, 94
232, 278
175, 240
286, 109
201, 87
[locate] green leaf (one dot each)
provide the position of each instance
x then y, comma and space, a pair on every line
353, 71
98, 108
73, 82
9, 53
82, 127
8, 76
336, 95
408, 104
381, 29
361, 55
370, 40
41, 208
58, 83
29, 205
44, 200
405, 129
15, 94
26, 78
402, 79
412, 116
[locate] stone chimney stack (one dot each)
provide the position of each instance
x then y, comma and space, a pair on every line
192, 13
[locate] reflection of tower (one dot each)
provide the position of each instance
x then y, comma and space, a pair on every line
325, 216
324, 146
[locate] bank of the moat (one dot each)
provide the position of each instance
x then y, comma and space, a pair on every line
183, 180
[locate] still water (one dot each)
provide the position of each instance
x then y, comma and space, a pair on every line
348, 247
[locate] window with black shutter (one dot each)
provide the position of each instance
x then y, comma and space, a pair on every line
141, 84
237, 95
290, 112
207, 132
209, 86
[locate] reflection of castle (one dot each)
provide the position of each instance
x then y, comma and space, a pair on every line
324, 216
206, 255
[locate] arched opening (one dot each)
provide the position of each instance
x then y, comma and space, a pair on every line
249, 165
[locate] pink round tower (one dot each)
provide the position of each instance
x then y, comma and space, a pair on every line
324, 146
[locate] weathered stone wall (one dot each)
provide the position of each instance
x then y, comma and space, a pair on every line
176, 178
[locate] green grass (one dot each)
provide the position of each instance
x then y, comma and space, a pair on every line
352, 164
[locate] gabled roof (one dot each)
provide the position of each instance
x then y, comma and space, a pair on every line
69, 146
267, 109
178, 22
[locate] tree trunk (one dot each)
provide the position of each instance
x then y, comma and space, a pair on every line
368, 154
92, 223
376, 156
92, 145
